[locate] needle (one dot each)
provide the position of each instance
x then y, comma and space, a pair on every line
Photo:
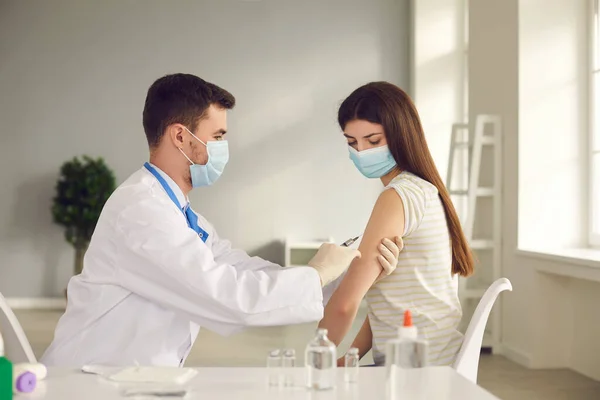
350, 241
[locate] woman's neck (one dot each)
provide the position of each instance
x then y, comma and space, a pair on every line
387, 178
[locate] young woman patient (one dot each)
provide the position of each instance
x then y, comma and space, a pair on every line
386, 141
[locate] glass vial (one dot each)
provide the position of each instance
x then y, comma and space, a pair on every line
351, 365
274, 367
321, 362
288, 364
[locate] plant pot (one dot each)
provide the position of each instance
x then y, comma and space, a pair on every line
80, 250
79, 256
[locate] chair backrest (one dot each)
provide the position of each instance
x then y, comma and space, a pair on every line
16, 346
467, 360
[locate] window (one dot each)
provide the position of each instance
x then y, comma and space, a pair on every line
594, 155
554, 126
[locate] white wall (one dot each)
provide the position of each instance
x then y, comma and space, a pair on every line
493, 90
73, 78
439, 71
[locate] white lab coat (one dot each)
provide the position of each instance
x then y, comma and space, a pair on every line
149, 283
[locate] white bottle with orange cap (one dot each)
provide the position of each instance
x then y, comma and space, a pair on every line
404, 352
407, 350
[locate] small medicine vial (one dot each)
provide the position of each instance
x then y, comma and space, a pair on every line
274, 367
351, 365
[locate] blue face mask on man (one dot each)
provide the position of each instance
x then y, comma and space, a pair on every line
218, 156
373, 163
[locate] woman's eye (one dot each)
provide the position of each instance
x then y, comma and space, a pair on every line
351, 143
376, 142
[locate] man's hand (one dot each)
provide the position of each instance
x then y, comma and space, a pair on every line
332, 260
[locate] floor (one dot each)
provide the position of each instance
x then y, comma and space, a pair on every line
503, 378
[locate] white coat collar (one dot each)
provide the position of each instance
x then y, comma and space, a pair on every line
174, 187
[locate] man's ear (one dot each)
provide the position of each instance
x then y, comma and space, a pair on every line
175, 133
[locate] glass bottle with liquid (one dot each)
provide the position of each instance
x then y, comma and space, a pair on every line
274, 368
351, 364
321, 362
288, 363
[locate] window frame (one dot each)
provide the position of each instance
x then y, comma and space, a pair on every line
594, 124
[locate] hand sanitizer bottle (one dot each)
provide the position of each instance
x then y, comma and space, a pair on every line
406, 351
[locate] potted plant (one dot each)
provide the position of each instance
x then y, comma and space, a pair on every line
81, 191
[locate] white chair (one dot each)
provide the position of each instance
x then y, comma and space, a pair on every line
16, 345
467, 360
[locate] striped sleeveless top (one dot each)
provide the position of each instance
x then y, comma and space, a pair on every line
423, 281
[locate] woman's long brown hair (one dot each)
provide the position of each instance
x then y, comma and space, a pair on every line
386, 104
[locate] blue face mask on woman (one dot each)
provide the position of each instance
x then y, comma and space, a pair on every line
373, 163
218, 156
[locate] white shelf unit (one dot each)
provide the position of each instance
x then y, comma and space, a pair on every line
298, 253
474, 161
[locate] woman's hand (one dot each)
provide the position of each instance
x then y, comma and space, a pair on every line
341, 362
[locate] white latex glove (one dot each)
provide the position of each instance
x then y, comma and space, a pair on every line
388, 257
332, 260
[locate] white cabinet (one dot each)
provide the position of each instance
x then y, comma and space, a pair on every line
300, 252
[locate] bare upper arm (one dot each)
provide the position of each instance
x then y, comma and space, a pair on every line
386, 221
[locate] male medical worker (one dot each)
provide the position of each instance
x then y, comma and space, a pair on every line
156, 271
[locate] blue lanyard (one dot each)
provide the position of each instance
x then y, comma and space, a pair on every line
203, 234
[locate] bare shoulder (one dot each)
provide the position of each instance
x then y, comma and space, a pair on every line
387, 217
387, 200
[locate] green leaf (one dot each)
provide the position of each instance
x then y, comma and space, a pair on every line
83, 187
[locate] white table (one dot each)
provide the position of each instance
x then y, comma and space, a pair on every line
437, 383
